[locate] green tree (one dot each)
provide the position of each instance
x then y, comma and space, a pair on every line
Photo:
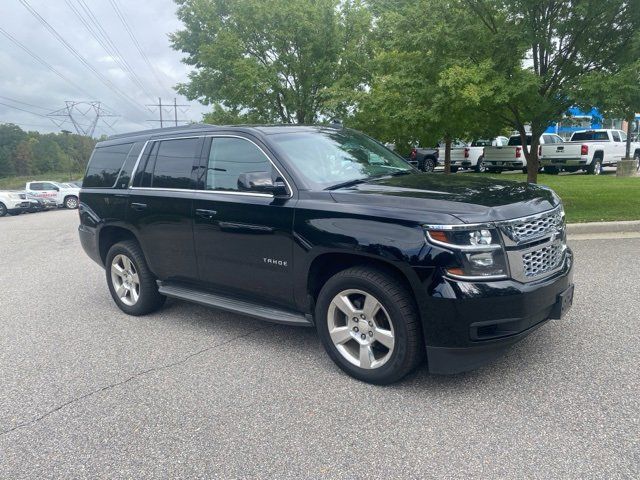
557, 44
23, 156
274, 60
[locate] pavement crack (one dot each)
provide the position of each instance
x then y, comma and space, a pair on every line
129, 379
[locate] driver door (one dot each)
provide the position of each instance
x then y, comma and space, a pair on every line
243, 239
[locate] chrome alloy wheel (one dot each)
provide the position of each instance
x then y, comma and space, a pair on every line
71, 203
360, 329
125, 279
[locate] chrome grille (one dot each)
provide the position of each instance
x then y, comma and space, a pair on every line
543, 260
527, 229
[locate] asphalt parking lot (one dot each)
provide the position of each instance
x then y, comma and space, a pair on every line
189, 392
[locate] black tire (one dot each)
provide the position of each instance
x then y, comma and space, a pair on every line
71, 202
454, 169
595, 167
3, 209
552, 170
429, 164
480, 166
636, 157
525, 170
408, 350
149, 299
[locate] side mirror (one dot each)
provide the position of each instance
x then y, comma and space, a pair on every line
57, 189
261, 182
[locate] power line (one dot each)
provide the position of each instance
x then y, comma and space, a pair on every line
124, 22
12, 39
94, 27
23, 110
173, 107
23, 103
78, 56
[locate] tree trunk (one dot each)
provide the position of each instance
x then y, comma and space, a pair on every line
447, 154
630, 120
531, 152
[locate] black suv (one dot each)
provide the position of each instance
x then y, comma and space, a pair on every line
326, 227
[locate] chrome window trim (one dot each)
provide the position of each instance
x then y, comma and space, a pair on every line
192, 190
225, 192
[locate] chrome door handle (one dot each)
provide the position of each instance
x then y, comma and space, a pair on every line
204, 213
138, 206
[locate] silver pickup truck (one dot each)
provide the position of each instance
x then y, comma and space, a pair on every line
587, 150
511, 156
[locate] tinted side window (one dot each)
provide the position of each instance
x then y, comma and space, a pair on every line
174, 163
36, 186
615, 136
125, 171
105, 164
228, 158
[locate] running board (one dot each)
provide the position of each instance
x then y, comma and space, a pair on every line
235, 305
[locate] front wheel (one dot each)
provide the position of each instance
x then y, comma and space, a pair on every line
71, 202
368, 324
3, 209
131, 283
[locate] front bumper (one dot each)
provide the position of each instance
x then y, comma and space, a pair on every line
471, 324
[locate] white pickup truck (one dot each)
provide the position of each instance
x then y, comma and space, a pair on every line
511, 157
13, 203
65, 195
588, 150
472, 155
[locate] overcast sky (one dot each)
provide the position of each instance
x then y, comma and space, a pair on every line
25, 79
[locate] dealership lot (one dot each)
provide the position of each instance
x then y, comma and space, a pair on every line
191, 392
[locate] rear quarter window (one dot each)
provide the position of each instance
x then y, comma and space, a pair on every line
105, 165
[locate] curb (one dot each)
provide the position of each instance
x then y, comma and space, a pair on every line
603, 227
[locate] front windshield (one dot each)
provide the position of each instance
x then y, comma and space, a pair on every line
325, 158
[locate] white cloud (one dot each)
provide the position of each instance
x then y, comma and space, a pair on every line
24, 79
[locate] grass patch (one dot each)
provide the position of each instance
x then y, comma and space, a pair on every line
590, 198
18, 183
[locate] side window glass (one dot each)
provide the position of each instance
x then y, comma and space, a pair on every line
174, 163
623, 136
36, 186
615, 136
144, 177
229, 157
105, 164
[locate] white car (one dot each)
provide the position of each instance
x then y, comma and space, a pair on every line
64, 194
12, 202
588, 150
511, 157
472, 155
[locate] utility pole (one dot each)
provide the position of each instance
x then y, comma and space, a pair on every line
173, 107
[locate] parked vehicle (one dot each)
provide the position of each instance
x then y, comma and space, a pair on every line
588, 150
12, 203
65, 195
472, 156
500, 158
39, 204
425, 159
325, 227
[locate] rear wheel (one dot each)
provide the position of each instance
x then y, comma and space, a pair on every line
429, 164
454, 169
595, 168
3, 209
71, 202
368, 324
480, 166
636, 157
131, 283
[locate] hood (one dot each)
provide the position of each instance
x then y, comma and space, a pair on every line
472, 199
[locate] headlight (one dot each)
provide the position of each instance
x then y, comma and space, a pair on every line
478, 250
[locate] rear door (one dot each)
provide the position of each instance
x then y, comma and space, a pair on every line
160, 206
243, 239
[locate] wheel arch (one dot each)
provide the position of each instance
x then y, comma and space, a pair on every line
109, 235
326, 265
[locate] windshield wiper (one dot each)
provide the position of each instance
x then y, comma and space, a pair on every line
350, 183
